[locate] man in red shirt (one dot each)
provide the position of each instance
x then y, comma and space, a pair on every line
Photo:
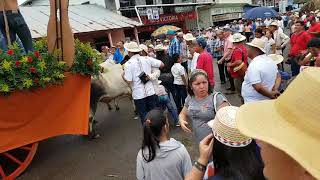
205, 59
238, 56
314, 29
298, 41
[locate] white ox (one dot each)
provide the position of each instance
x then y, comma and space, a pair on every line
107, 87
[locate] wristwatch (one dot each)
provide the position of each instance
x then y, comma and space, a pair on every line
200, 166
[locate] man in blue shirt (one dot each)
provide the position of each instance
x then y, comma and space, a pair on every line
120, 52
174, 46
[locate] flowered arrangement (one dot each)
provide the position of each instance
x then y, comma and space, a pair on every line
36, 69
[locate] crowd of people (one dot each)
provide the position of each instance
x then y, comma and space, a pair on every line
234, 143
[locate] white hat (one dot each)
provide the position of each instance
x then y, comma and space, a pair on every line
150, 46
180, 34
274, 23
160, 47
317, 11
276, 58
189, 37
258, 43
132, 47
225, 129
143, 47
237, 37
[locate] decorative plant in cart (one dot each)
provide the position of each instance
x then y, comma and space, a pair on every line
44, 93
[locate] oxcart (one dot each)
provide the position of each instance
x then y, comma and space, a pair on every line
26, 118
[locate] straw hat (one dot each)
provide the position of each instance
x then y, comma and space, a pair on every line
274, 23
258, 43
291, 122
225, 129
276, 58
166, 41
132, 47
189, 37
237, 37
150, 46
160, 47
180, 34
143, 47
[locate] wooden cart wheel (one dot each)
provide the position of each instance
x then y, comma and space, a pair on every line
14, 162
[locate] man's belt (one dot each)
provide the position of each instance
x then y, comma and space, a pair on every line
11, 12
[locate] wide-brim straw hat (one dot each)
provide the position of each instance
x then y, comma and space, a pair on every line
132, 47
274, 23
225, 129
189, 37
143, 47
237, 37
258, 43
276, 58
160, 47
290, 123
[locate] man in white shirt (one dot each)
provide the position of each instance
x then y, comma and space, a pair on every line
261, 74
280, 38
267, 22
136, 72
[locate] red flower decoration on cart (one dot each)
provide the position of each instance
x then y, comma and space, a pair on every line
10, 52
33, 70
30, 59
18, 63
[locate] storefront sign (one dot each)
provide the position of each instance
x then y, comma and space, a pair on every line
224, 17
215, 11
169, 18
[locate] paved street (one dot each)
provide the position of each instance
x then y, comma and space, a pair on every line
113, 156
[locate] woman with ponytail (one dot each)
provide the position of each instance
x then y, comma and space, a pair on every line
161, 157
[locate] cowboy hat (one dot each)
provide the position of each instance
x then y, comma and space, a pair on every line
289, 123
237, 37
160, 47
225, 129
276, 58
189, 37
132, 47
257, 43
274, 23
143, 47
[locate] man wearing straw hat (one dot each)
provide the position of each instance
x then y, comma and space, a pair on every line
238, 62
261, 75
280, 38
136, 72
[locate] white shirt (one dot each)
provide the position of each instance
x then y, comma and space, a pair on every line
280, 24
262, 70
280, 39
267, 22
241, 27
268, 46
194, 61
133, 68
177, 71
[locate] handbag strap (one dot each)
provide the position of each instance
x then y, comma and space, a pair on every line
215, 101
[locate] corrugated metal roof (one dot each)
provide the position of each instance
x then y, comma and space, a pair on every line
83, 18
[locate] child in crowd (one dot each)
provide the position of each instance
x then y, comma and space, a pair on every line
180, 81
164, 102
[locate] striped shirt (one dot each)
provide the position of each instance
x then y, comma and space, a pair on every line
174, 47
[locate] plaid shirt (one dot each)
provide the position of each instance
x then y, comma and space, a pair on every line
174, 47
218, 44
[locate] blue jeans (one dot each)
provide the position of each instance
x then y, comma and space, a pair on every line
145, 105
165, 102
17, 27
